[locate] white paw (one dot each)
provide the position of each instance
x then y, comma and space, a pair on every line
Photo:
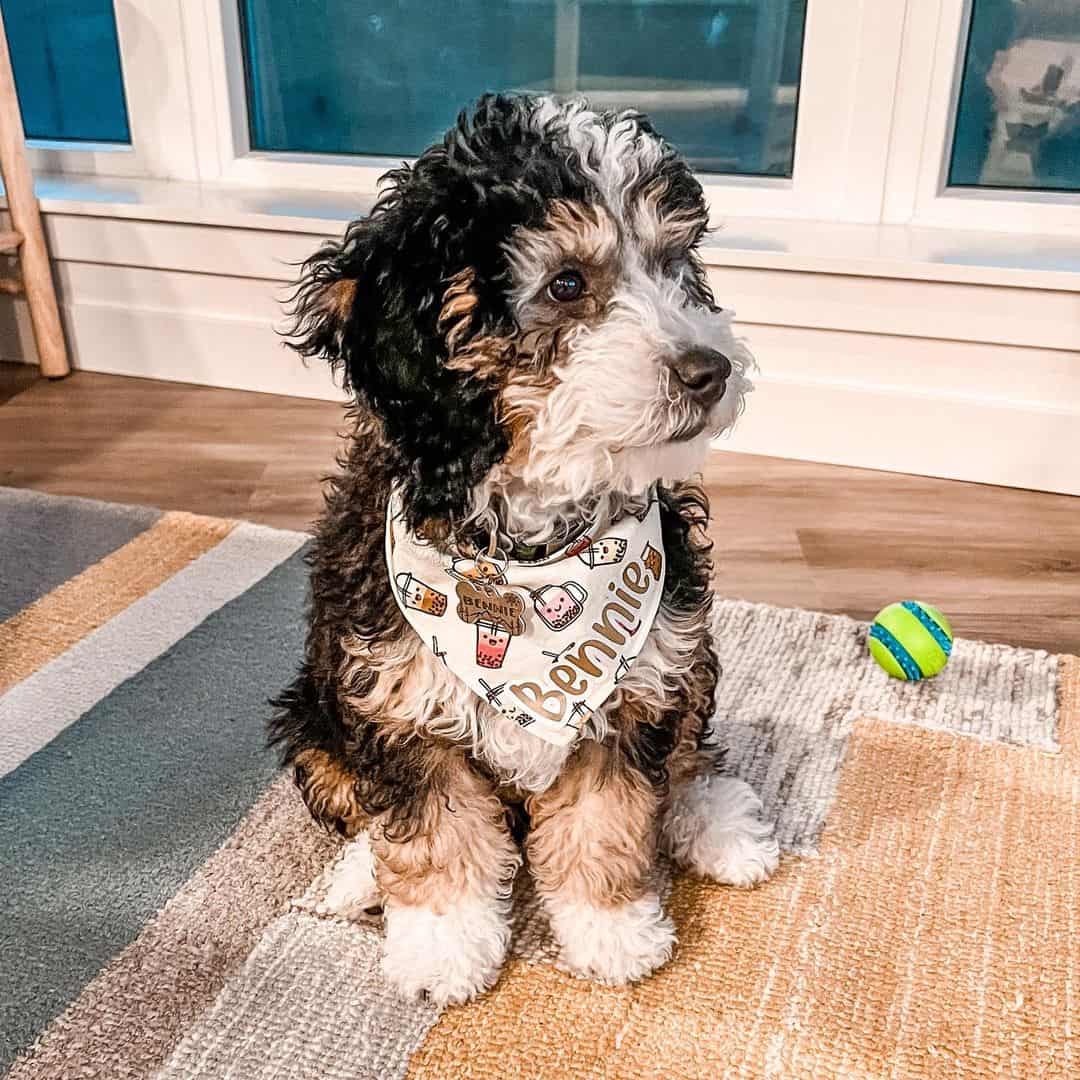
618, 944
449, 958
714, 828
352, 892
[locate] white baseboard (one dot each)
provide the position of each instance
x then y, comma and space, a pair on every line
932, 434
971, 382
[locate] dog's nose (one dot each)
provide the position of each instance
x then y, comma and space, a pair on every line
702, 373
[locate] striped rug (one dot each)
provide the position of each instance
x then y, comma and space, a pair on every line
167, 909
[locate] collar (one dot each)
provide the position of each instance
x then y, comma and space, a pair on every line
528, 553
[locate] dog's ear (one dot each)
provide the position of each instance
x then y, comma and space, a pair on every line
324, 299
374, 305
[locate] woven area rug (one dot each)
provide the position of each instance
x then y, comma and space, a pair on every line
164, 897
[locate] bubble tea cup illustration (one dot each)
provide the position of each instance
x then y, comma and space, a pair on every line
492, 641
415, 594
559, 605
604, 552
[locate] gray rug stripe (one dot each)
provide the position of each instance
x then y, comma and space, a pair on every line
100, 827
128, 1020
33, 711
309, 1002
46, 539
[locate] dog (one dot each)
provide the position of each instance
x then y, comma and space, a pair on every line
534, 357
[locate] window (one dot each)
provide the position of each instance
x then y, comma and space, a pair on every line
955, 113
66, 61
1018, 117
387, 77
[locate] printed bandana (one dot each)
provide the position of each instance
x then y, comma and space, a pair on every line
546, 641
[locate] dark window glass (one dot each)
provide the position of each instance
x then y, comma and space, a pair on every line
1018, 117
66, 61
382, 77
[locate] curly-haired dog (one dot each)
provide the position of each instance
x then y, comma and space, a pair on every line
536, 359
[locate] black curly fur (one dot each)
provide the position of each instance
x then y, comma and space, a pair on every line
452, 209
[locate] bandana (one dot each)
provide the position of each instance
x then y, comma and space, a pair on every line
544, 641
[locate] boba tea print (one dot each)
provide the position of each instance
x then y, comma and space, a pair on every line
545, 642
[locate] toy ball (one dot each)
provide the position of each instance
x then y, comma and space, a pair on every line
911, 640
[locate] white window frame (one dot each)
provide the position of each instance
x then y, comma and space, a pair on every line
878, 89
155, 76
841, 148
928, 85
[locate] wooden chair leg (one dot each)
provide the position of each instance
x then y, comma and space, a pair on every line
37, 280
41, 299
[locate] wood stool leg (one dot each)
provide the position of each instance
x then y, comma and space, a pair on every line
26, 219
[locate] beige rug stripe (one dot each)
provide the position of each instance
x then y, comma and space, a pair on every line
127, 1021
937, 934
50, 626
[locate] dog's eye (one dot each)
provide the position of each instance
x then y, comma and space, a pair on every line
566, 285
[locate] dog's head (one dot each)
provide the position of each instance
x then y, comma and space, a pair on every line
525, 312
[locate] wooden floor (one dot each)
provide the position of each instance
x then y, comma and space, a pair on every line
1003, 564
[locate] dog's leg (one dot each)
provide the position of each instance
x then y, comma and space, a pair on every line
310, 731
711, 824
713, 827
445, 873
591, 849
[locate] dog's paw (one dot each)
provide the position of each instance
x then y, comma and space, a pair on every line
615, 945
448, 958
351, 891
714, 828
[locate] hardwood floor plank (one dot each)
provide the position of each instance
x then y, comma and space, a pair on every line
14, 378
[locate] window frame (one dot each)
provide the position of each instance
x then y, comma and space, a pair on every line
877, 97
836, 122
928, 91
160, 122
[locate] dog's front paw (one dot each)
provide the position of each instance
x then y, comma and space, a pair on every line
448, 958
617, 944
714, 828
351, 890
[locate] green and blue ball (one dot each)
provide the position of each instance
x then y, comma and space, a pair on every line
911, 640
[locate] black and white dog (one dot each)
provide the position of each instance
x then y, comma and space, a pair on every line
535, 354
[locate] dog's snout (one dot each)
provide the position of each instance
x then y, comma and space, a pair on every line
702, 373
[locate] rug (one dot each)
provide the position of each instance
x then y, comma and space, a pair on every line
163, 894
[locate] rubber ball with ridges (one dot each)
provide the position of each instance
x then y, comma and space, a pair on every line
911, 640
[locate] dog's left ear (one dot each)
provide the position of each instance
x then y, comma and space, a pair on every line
374, 305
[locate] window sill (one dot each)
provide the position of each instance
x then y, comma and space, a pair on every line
975, 257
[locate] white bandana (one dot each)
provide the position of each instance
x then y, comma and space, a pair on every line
544, 642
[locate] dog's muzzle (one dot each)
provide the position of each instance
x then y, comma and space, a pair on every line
701, 374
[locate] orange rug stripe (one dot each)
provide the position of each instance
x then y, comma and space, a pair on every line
937, 934
50, 626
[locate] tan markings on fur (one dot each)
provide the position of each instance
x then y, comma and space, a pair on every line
462, 847
593, 835
328, 789
573, 234
486, 357
459, 302
517, 406
672, 231
338, 297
